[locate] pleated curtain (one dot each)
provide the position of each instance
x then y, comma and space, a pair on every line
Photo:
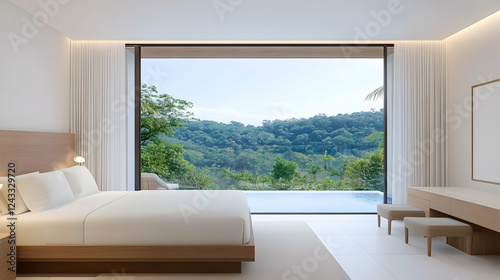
98, 110
417, 149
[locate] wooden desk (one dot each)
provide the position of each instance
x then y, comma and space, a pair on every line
480, 209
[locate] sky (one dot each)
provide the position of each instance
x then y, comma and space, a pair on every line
252, 90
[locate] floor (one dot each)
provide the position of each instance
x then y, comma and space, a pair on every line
366, 252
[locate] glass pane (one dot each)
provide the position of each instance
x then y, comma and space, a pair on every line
130, 59
390, 88
297, 135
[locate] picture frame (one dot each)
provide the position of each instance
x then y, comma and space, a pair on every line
485, 120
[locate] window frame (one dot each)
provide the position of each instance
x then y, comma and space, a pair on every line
222, 52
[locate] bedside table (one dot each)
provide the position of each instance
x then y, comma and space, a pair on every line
5, 273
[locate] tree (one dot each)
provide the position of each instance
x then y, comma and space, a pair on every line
314, 170
376, 137
327, 158
153, 159
164, 160
284, 169
195, 179
341, 170
160, 113
376, 94
214, 145
366, 172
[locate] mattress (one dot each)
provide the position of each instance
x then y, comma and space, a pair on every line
145, 217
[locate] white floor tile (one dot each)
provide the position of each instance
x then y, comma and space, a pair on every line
341, 245
361, 228
422, 267
486, 266
325, 228
391, 245
363, 267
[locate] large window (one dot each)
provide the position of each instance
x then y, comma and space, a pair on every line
301, 129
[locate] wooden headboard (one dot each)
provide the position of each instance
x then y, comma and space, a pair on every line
36, 151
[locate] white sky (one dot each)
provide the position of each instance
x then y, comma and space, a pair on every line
253, 90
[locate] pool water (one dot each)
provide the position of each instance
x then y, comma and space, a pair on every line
314, 201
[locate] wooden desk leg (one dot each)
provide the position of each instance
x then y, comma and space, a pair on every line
389, 222
470, 245
378, 219
406, 235
429, 245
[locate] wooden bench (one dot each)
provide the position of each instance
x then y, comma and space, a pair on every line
431, 227
396, 212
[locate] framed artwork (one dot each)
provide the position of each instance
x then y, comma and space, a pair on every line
486, 132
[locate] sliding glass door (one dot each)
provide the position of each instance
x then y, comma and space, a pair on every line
300, 129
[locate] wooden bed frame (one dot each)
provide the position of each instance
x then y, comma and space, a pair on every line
41, 151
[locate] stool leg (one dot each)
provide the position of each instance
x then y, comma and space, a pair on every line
389, 222
429, 245
406, 235
378, 219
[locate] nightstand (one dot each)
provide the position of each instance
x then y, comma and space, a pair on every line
5, 273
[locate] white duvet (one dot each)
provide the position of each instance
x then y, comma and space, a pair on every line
145, 217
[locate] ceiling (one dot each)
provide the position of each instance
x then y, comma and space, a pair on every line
240, 20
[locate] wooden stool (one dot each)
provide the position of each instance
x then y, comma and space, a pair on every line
397, 212
431, 227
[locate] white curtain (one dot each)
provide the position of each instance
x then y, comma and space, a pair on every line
417, 118
98, 110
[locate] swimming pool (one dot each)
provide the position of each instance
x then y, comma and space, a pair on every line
314, 201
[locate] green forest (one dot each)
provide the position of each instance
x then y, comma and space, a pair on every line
342, 152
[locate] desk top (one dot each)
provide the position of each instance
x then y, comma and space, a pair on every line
484, 198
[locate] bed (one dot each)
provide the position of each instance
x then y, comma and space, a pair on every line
146, 231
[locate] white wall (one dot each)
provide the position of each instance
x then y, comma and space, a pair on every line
473, 58
34, 80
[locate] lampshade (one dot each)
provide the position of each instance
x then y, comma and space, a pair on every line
79, 159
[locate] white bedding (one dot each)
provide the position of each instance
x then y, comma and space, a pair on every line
145, 217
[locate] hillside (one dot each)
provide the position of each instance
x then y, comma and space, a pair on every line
253, 148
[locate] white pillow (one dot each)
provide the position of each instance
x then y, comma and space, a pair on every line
80, 180
20, 205
44, 191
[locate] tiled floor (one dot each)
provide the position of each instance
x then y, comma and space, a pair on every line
366, 252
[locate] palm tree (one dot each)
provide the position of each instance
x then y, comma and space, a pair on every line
326, 159
376, 94
147, 108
